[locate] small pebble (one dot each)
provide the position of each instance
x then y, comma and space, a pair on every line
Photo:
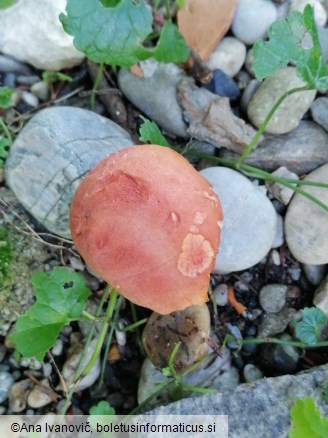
47, 370
6, 382
275, 257
274, 323
320, 299
38, 397
9, 80
18, 395
31, 363
223, 85
280, 235
315, 273
8, 64
57, 349
77, 263
27, 80
273, 297
40, 89
220, 294
252, 373
295, 273
30, 99
229, 56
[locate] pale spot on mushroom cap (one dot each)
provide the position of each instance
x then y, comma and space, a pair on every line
194, 229
175, 218
196, 256
210, 196
199, 218
220, 224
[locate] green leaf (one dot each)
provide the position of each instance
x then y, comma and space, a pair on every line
98, 412
171, 46
60, 296
50, 76
150, 133
102, 408
6, 3
293, 40
308, 330
5, 97
115, 34
307, 421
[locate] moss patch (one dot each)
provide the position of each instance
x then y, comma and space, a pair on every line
6, 254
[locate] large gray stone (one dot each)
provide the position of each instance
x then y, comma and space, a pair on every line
306, 223
301, 151
249, 220
261, 409
290, 112
30, 31
50, 156
155, 94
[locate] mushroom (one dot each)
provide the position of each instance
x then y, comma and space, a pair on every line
149, 224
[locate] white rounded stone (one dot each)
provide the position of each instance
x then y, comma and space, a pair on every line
229, 56
249, 220
252, 19
31, 32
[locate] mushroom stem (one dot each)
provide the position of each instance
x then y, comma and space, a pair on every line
103, 331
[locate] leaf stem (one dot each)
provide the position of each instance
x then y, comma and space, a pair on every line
95, 86
168, 9
298, 344
103, 331
109, 339
5, 129
266, 121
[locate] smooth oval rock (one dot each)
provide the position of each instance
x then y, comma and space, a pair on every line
273, 297
39, 395
31, 32
306, 223
18, 395
223, 85
52, 153
252, 19
290, 112
155, 94
6, 382
229, 56
249, 223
